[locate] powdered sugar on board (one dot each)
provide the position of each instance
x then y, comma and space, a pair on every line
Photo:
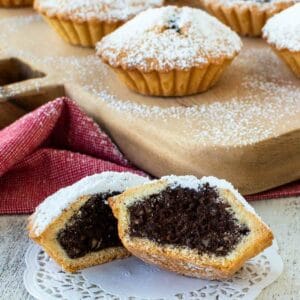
105, 182
283, 30
103, 10
269, 102
169, 38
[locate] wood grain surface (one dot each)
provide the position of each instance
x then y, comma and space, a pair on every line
245, 129
281, 214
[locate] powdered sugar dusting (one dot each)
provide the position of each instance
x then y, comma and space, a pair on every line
192, 182
268, 105
103, 10
167, 38
283, 30
267, 101
105, 182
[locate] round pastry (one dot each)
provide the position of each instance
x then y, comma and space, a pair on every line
247, 17
170, 51
15, 3
85, 22
282, 32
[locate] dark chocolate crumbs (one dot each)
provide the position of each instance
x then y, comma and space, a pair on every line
91, 229
173, 24
184, 217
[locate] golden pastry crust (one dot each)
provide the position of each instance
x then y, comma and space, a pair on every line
181, 259
48, 241
245, 17
175, 82
15, 3
85, 34
79, 33
291, 59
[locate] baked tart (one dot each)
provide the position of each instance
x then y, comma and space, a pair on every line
75, 226
15, 3
247, 17
170, 51
196, 227
85, 22
282, 33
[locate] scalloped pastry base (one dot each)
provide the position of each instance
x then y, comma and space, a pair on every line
172, 83
292, 59
85, 34
245, 20
15, 3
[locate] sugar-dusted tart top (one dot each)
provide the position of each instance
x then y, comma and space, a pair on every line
55, 204
169, 38
283, 30
102, 10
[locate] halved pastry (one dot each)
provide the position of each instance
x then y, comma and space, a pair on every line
196, 227
75, 225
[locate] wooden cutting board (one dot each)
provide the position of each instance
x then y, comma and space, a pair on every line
246, 129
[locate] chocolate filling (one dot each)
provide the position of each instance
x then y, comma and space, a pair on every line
91, 229
184, 217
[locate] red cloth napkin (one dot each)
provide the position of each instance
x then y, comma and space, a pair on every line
288, 190
49, 148
56, 145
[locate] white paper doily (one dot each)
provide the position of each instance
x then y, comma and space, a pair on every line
131, 279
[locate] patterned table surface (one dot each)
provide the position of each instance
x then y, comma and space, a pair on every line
283, 215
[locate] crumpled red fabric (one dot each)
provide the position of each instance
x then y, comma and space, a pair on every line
288, 190
58, 144
49, 148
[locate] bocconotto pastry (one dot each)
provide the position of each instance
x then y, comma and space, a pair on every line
76, 227
85, 22
282, 32
196, 227
15, 3
247, 17
170, 51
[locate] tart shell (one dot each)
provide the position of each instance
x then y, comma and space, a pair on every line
79, 33
245, 19
15, 3
173, 82
291, 59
